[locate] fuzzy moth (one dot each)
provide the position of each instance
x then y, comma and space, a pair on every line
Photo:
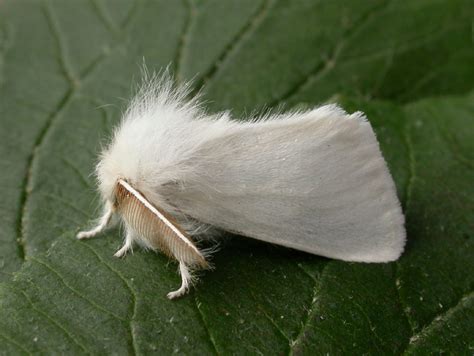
310, 180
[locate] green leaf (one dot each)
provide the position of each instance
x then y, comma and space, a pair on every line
64, 69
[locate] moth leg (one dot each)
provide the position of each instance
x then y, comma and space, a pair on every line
186, 279
126, 246
103, 223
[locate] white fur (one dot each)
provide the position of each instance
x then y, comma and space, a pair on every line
314, 181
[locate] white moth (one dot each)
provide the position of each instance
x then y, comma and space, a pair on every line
312, 180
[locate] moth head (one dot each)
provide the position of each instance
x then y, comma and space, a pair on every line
120, 159
112, 166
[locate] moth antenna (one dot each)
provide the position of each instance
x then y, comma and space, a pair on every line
157, 230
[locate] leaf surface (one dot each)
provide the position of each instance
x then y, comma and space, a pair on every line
65, 68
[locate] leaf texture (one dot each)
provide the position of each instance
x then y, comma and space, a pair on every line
64, 69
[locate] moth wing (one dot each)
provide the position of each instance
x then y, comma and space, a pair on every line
313, 181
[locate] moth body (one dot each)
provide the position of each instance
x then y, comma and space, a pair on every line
315, 181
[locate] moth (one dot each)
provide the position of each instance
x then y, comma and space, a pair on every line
311, 180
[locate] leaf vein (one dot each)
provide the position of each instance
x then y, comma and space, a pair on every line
55, 114
369, 322
26, 184
132, 294
401, 48
383, 74
60, 43
197, 305
441, 318
104, 16
180, 52
408, 197
47, 316
311, 309
237, 41
68, 204
131, 14
275, 325
270, 319
63, 281
321, 68
412, 168
76, 170
85, 73
452, 144
16, 343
